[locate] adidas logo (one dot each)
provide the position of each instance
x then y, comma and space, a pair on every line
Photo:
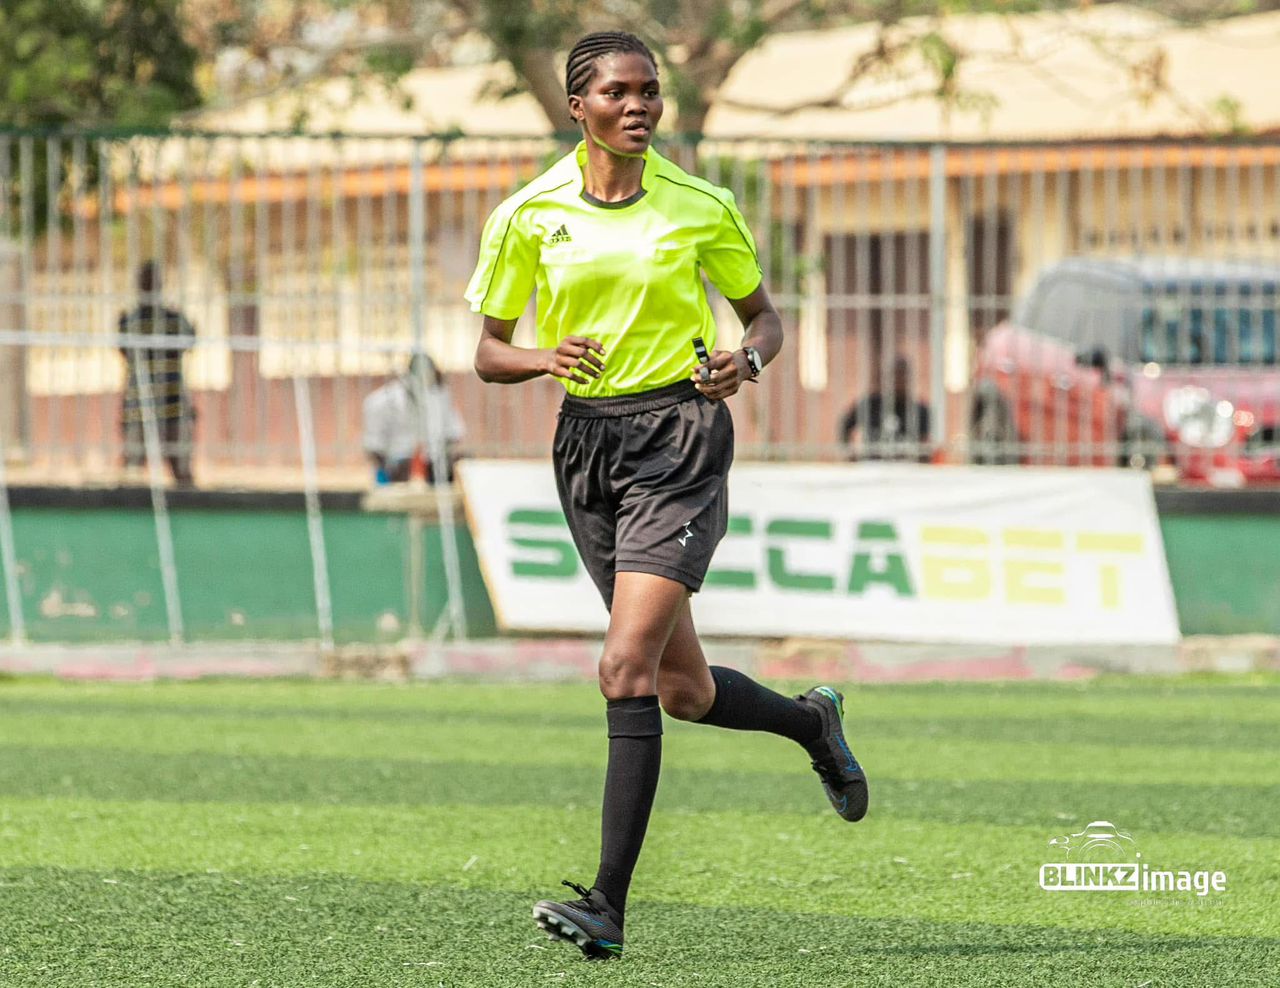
561, 236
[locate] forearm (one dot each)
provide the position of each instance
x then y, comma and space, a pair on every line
498, 362
764, 332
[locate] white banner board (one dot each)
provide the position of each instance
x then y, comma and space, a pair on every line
904, 552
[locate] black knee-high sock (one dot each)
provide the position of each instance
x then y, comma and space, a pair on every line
744, 705
635, 756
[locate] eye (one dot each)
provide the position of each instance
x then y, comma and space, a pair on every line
614, 94
651, 93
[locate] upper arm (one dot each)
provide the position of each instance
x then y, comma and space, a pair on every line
750, 306
494, 328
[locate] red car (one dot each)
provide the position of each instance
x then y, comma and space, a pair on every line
1140, 362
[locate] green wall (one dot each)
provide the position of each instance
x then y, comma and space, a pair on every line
93, 574
1225, 570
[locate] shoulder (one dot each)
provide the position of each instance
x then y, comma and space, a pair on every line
696, 190
555, 179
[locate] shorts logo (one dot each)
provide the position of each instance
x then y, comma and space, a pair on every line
688, 534
561, 236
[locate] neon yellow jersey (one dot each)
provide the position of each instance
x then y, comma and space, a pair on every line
628, 275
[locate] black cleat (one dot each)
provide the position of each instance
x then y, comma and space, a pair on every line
590, 923
842, 777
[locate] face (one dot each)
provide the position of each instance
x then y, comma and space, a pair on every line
622, 104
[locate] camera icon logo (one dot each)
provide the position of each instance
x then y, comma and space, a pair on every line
1099, 842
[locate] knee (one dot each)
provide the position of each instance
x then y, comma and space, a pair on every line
684, 698
624, 673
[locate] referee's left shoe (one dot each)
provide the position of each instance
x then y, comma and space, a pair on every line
590, 923
842, 777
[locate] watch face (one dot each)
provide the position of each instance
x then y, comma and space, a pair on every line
753, 360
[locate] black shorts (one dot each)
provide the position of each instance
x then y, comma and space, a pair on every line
642, 480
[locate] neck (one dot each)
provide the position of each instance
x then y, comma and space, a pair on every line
609, 176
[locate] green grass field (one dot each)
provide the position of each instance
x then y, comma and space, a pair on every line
286, 833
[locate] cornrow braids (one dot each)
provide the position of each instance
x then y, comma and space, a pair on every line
582, 60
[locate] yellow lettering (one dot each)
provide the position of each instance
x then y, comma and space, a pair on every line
1116, 543
1125, 542
1033, 538
953, 535
954, 578
1110, 576
1022, 587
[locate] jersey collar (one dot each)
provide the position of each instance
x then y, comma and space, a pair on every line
579, 156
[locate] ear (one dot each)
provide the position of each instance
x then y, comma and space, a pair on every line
576, 109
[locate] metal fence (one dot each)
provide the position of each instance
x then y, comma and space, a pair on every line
1045, 304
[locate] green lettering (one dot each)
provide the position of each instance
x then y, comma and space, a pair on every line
891, 570
734, 579
882, 531
785, 578
558, 556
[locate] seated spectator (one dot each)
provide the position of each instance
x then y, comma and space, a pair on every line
397, 433
892, 426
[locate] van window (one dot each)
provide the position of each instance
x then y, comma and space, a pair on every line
1086, 312
1200, 329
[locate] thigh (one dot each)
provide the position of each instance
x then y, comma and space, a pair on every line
646, 609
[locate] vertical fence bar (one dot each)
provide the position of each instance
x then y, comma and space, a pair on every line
315, 521
937, 293
256, 418
8, 555
863, 314
237, 301
26, 227
159, 500
434, 426
107, 277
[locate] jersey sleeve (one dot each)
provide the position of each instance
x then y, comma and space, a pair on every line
504, 275
729, 255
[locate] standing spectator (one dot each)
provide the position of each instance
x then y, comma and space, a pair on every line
395, 432
154, 378
892, 426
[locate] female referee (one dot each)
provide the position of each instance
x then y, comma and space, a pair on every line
614, 239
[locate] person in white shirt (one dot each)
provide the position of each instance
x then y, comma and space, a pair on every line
395, 430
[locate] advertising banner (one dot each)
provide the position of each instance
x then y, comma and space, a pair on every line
899, 552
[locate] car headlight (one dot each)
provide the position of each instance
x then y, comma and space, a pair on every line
1198, 419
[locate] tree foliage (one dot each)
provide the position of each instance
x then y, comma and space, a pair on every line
74, 62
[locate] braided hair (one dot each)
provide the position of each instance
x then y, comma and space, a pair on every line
582, 60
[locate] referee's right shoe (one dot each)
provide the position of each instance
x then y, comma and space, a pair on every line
842, 777
590, 923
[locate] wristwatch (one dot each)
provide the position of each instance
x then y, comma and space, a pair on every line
753, 361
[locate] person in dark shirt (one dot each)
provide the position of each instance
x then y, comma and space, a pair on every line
154, 378
892, 426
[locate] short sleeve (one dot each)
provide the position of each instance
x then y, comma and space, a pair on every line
505, 273
729, 256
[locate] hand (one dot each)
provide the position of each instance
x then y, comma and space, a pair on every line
576, 356
727, 370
